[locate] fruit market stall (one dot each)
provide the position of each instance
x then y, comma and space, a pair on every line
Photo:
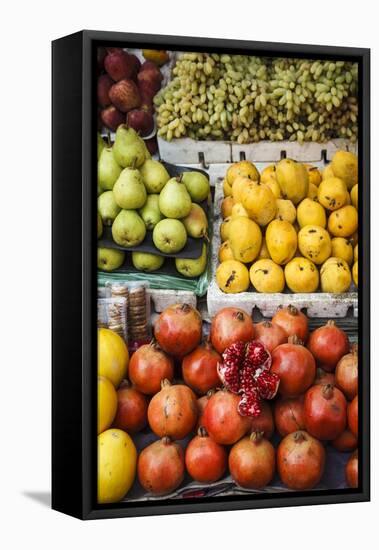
228, 275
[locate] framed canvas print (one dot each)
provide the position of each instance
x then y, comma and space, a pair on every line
211, 277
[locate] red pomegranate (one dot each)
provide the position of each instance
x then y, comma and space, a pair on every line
351, 471
346, 442
292, 321
264, 423
269, 335
222, 420
323, 377
148, 366
300, 461
205, 459
160, 467
328, 344
173, 411
131, 413
252, 461
178, 329
230, 325
325, 412
201, 404
346, 374
245, 370
289, 415
199, 368
295, 366
352, 416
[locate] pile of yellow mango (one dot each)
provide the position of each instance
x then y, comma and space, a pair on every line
290, 225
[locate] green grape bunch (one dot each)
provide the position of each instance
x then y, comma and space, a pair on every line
247, 99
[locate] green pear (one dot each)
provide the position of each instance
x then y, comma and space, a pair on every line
147, 152
100, 145
150, 212
154, 176
169, 236
197, 185
107, 207
99, 226
192, 267
174, 199
128, 149
109, 259
108, 170
196, 222
144, 261
128, 229
129, 190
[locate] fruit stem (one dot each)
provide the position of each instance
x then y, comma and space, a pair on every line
294, 339
179, 178
327, 391
125, 384
109, 138
165, 383
299, 437
256, 437
330, 323
202, 432
166, 440
267, 324
293, 310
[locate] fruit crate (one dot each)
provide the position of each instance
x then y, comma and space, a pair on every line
316, 304
333, 477
166, 276
206, 153
215, 158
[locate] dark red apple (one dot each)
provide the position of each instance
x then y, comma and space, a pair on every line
141, 120
119, 64
136, 65
111, 49
104, 84
112, 117
101, 53
125, 95
150, 79
149, 65
146, 101
152, 145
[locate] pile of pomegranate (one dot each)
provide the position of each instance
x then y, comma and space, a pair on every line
229, 394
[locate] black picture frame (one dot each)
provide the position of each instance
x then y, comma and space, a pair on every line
74, 290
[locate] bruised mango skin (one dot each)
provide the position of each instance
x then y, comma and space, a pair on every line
281, 240
314, 243
293, 180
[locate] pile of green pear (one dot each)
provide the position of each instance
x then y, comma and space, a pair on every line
137, 194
